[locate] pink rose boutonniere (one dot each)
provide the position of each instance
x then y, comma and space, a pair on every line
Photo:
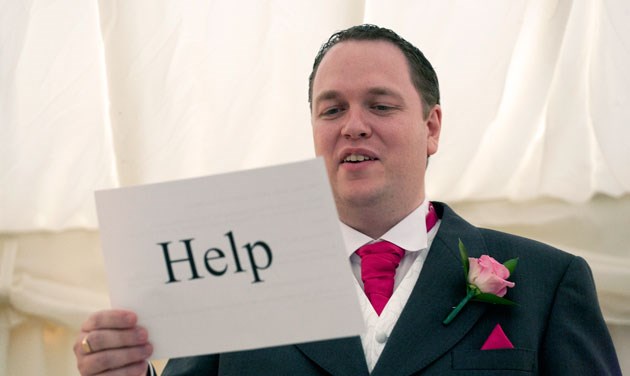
486, 280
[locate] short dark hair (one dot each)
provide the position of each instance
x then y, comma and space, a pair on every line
421, 71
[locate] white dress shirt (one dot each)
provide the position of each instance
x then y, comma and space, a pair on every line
411, 235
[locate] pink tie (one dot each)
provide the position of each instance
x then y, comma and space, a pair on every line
378, 266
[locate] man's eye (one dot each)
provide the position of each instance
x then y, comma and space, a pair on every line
381, 107
332, 111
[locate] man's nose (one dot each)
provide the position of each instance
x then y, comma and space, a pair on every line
356, 126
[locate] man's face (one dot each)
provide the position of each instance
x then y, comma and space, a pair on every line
368, 124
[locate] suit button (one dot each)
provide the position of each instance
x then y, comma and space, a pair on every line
381, 337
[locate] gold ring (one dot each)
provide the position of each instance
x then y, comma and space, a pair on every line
85, 345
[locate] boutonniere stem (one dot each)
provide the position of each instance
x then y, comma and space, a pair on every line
486, 281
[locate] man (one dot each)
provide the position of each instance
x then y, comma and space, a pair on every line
376, 119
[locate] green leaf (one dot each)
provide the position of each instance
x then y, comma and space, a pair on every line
491, 298
464, 255
511, 264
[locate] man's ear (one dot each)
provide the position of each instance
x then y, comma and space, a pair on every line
434, 126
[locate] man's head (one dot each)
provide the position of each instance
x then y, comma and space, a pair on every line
422, 73
374, 130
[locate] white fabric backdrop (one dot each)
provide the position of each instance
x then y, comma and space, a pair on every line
99, 94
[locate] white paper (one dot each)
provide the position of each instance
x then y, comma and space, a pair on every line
304, 293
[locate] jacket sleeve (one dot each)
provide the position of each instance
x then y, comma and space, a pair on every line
576, 340
195, 365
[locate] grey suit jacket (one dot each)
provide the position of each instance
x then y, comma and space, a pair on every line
556, 329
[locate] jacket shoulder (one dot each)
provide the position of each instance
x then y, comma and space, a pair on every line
495, 243
519, 246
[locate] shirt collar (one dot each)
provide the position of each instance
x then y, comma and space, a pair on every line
410, 233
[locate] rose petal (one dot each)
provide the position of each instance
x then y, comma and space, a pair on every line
488, 275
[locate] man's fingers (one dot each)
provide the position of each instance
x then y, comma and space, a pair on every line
110, 319
134, 369
112, 338
115, 361
111, 343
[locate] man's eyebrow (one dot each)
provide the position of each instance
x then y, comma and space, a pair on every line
327, 95
383, 91
375, 91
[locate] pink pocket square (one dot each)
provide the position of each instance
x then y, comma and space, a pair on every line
497, 340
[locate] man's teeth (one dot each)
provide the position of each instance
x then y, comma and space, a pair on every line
357, 158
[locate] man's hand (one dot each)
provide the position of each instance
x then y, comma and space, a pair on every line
110, 343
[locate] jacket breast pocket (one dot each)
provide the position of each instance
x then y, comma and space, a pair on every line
522, 360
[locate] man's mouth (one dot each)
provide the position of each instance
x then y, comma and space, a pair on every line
356, 158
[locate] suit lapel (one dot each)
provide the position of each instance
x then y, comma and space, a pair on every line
338, 357
419, 337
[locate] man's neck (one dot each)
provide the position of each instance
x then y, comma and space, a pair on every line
373, 220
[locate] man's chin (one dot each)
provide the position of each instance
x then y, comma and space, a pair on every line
359, 198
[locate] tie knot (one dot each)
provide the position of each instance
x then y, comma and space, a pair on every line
378, 267
382, 249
